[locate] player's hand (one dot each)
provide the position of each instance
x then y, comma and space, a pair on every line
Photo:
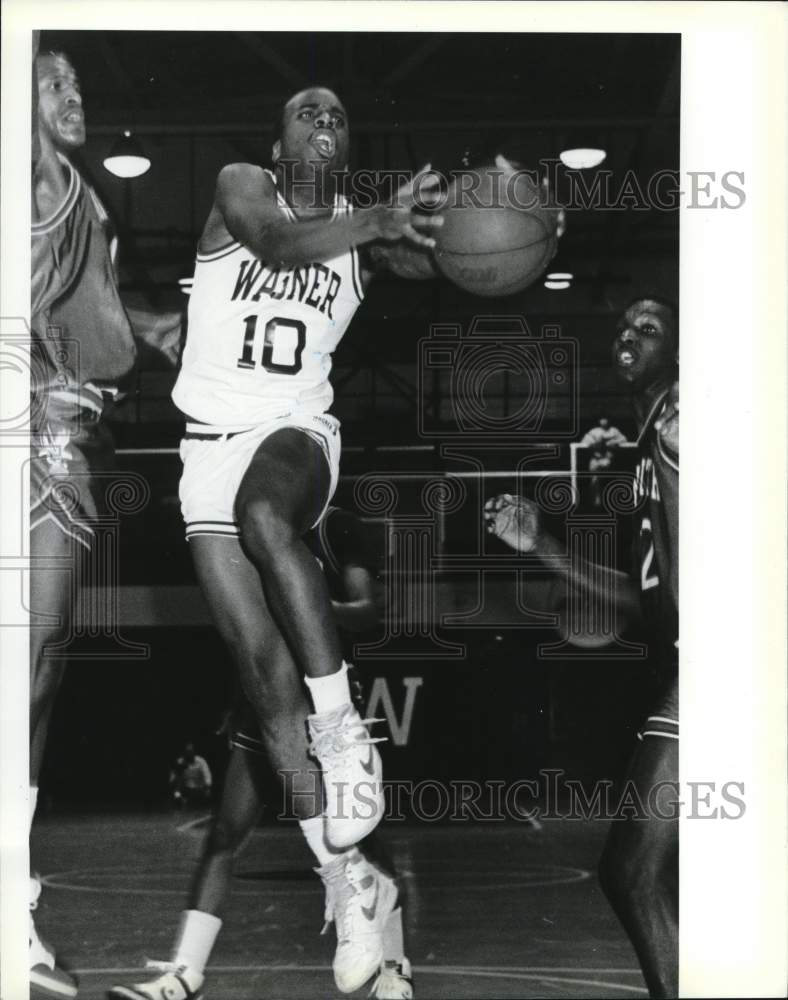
402, 220
515, 520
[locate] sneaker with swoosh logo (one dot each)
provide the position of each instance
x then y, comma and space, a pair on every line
352, 774
176, 982
359, 900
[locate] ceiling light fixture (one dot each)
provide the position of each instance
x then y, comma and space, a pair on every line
126, 158
560, 276
582, 159
557, 286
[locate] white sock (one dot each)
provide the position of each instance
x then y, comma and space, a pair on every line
33, 802
330, 692
196, 937
312, 830
393, 942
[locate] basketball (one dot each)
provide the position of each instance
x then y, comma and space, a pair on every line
498, 235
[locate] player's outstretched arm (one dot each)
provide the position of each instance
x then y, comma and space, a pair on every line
246, 202
401, 259
517, 522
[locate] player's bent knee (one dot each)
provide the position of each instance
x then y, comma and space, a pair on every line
263, 523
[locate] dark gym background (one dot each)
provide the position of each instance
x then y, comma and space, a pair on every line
197, 101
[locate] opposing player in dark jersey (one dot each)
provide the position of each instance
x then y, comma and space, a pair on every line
83, 348
639, 866
340, 544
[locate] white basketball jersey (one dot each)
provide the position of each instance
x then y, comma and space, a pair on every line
260, 338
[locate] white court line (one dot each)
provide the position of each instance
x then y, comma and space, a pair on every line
548, 974
296, 886
190, 824
291, 967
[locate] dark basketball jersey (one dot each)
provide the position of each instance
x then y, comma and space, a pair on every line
656, 489
74, 297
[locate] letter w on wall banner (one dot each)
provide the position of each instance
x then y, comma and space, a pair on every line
381, 696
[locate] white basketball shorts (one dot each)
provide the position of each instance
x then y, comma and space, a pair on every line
215, 461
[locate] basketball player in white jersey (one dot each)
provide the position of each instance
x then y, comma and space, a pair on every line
277, 281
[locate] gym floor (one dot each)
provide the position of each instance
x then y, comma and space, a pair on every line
496, 910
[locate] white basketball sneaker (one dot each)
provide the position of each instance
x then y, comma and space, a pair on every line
359, 899
352, 774
394, 982
176, 982
46, 979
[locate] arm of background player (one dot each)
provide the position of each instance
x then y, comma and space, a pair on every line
517, 522
246, 201
159, 334
359, 612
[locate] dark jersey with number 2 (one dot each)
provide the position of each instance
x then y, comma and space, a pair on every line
656, 489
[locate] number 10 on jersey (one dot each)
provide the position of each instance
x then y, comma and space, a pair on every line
283, 344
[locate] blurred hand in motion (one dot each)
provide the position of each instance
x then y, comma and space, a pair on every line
403, 219
515, 520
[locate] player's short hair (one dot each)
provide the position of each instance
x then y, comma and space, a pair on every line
56, 54
665, 302
279, 123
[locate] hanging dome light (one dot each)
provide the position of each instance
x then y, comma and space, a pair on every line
582, 159
126, 158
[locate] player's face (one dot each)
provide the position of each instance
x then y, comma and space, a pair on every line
314, 130
644, 350
60, 102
